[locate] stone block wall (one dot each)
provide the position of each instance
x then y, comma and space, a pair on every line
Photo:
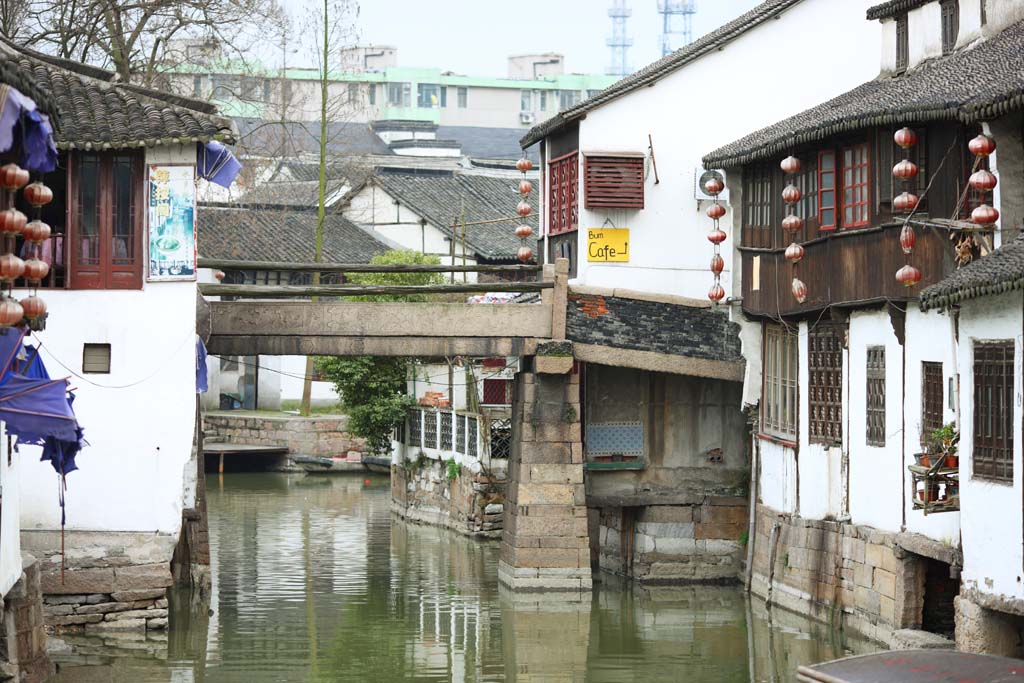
315, 437
836, 571
545, 545
22, 636
471, 504
675, 543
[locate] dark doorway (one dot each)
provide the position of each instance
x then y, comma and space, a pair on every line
938, 615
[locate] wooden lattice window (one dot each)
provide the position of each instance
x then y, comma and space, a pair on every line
902, 43
825, 387
931, 405
950, 25
856, 186
781, 376
827, 190
563, 194
993, 410
614, 182
757, 206
876, 396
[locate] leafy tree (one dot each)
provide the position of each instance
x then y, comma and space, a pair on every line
372, 388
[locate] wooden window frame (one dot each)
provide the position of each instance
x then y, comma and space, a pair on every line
105, 273
823, 225
758, 188
993, 424
613, 181
825, 344
902, 43
855, 185
932, 399
950, 13
780, 414
563, 194
874, 396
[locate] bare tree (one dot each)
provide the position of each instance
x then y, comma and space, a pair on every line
13, 14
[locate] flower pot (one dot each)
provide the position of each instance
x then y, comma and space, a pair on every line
952, 461
925, 460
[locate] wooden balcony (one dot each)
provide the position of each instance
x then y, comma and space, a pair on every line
843, 268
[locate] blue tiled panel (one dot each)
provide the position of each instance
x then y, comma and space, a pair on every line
611, 438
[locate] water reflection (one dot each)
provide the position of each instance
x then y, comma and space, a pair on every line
313, 581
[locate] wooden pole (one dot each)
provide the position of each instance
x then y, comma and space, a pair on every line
298, 266
300, 291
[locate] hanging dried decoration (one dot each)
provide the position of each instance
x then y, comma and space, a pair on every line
906, 202
793, 224
714, 187
523, 232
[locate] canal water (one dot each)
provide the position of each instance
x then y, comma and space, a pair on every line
314, 581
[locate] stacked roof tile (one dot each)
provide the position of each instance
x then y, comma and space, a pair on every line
894, 7
255, 234
999, 272
96, 112
971, 84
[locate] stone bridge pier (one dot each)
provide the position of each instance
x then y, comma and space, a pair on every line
545, 545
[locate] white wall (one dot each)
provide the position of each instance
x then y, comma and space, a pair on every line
721, 97
293, 369
138, 420
990, 512
10, 539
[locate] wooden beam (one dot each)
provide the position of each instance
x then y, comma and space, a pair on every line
297, 266
298, 291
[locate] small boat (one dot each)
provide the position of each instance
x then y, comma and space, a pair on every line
377, 464
319, 465
914, 666
326, 463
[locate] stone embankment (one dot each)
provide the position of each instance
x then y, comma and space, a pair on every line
472, 504
22, 637
311, 437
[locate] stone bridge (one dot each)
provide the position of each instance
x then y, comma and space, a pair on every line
545, 542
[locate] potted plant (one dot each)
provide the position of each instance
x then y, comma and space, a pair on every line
946, 440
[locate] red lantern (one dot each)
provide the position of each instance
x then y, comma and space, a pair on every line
905, 137
525, 187
792, 194
792, 223
524, 231
716, 236
907, 239
36, 269
908, 276
794, 253
11, 312
36, 231
38, 194
905, 170
716, 211
983, 181
524, 254
13, 177
11, 267
219, 275
717, 293
905, 202
33, 307
12, 221
790, 165
524, 165
985, 215
524, 209
982, 146
717, 264
799, 290
714, 186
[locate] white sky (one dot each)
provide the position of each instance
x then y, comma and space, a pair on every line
475, 37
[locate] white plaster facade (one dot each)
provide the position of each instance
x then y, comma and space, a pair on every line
10, 540
709, 102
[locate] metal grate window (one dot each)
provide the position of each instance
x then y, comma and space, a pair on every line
931, 406
614, 182
96, 358
781, 368
825, 369
950, 25
471, 436
876, 396
993, 410
429, 429
563, 194
415, 428
446, 431
501, 438
460, 441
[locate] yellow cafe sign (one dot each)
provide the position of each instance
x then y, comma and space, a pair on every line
608, 245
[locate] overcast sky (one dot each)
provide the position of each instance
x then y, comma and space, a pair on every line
475, 37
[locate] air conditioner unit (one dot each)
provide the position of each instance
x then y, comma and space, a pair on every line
701, 176
527, 117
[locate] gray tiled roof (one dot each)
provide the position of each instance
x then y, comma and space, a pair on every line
290, 138
96, 112
299, 194
276, 235
12, 73
980, 82
666, 65
486, 143
653, 326
894, 7
999, 272
443, 198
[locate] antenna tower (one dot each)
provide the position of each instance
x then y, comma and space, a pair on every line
619, 42
676, 24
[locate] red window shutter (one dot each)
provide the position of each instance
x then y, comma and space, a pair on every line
563, 193
614, 182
